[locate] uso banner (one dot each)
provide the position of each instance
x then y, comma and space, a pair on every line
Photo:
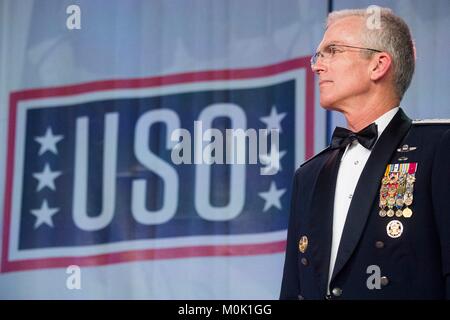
155, 183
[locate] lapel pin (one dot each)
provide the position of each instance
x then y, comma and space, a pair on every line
303, 244
406, 148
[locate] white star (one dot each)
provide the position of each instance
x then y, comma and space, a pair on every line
272, 197
48, 141
273, 120
272, 162
44, 215
46, 178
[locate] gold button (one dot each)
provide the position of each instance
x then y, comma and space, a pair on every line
384, 281
336, 292
303, 244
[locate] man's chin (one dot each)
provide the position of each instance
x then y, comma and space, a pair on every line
327, 105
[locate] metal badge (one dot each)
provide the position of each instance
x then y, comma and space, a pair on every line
394, 229
407, 213
303, 244
406, 148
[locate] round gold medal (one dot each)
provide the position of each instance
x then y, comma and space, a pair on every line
408, 201
303, 244
407, 213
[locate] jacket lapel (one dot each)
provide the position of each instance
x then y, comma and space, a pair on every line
366, 191
321, 221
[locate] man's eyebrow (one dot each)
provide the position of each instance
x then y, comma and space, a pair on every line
334, 42
330, 43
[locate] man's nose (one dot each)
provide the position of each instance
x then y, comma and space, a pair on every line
318, 66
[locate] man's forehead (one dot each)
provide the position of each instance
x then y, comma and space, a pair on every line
348, 22
346, 30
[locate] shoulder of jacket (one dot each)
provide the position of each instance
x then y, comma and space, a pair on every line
315, 156
421, 122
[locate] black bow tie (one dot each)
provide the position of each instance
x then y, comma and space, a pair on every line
366, 137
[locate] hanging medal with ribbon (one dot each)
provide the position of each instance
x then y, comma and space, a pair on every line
409, 188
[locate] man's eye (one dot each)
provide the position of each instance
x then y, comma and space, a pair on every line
332, 50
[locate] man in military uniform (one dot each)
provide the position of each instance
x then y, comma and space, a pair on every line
370, 214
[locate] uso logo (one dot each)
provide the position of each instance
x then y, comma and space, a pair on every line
90, 176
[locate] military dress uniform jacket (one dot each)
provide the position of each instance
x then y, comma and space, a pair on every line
412, 254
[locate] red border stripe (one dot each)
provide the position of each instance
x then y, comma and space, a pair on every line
214, 75
151, 254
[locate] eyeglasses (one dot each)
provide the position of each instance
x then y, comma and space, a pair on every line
330, 50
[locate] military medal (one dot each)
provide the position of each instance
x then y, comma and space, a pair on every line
396, 192
303, 244
408, 197
394, 229
391, 201
407, 213
411, 179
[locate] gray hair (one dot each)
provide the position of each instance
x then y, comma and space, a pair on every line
393, 36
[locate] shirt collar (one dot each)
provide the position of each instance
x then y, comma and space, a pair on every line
383, 121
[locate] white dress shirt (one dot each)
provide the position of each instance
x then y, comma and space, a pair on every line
350, 169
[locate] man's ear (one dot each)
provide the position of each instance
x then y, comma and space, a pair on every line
380, 65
